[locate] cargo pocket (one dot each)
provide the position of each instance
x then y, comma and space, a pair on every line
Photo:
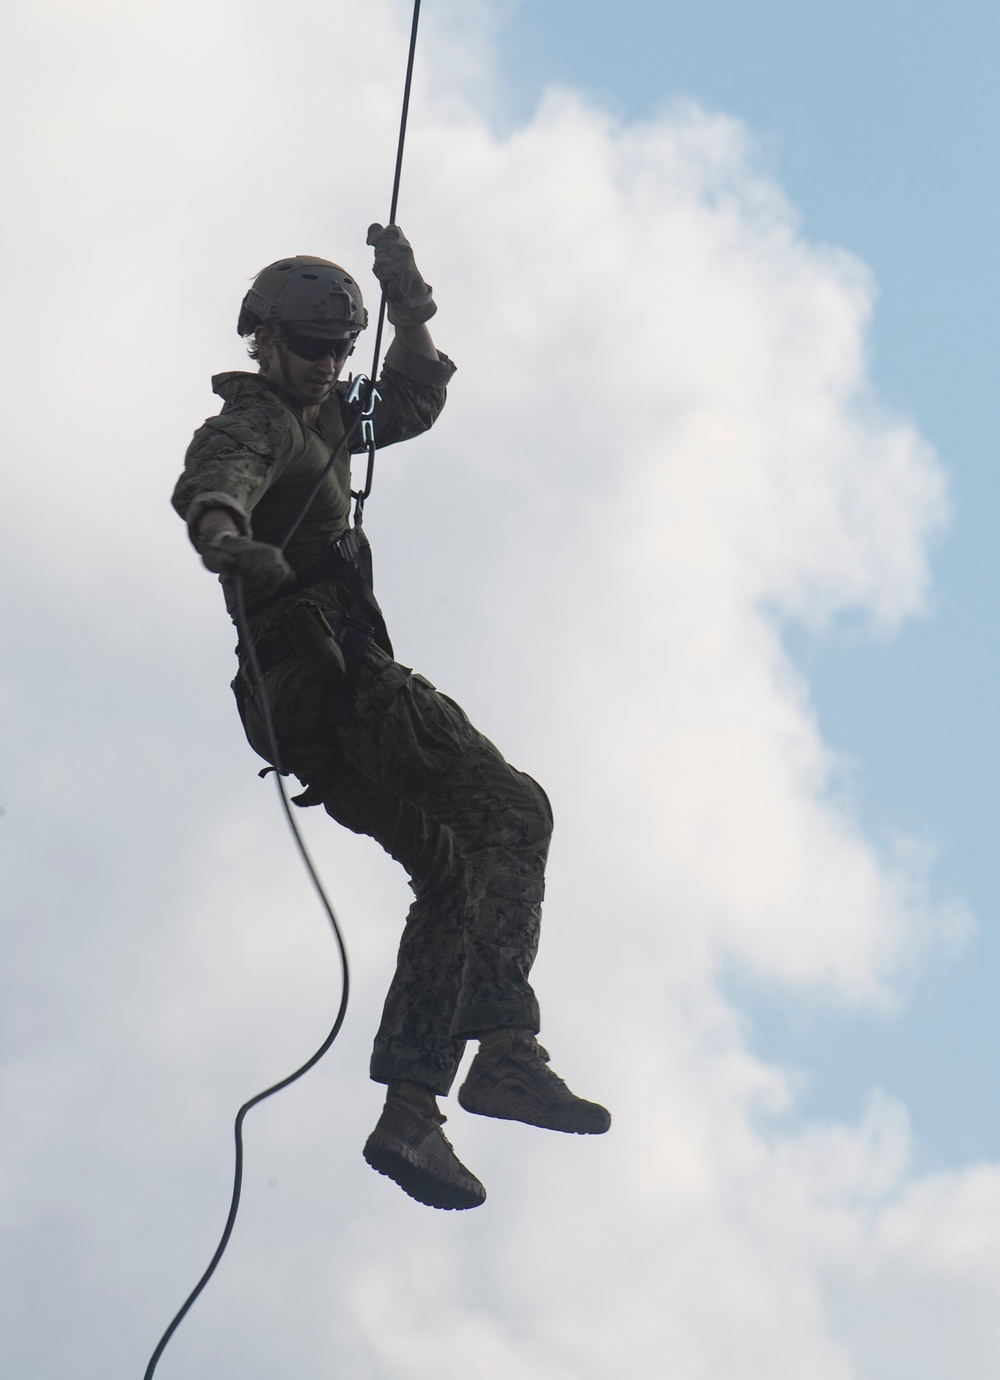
422, 735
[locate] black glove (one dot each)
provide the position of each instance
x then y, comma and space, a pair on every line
262, 567
408, 298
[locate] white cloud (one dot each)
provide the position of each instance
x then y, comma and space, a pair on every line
661, 442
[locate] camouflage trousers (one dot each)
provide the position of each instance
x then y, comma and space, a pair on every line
405, 766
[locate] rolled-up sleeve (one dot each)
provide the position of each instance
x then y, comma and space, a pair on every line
412, 390
232, 460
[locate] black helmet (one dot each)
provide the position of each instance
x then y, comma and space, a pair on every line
304, 289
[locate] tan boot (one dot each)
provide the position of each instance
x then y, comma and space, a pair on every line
510, 1078
409, 1147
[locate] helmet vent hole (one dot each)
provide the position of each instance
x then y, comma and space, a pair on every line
283, 268
311, 276
348, 280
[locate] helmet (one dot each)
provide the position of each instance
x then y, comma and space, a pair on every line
303, 289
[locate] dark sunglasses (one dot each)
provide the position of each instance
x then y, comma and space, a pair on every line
313, 347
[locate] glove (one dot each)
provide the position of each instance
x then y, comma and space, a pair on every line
261, 566
408, 298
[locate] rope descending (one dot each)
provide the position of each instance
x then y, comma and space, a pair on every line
258, 680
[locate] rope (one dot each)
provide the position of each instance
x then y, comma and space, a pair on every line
314, 1059
362, 494
258, 681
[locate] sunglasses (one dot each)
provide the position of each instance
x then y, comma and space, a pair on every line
313, 347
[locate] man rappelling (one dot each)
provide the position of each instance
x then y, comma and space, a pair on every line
379, 747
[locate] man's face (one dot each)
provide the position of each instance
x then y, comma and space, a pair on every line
307, 379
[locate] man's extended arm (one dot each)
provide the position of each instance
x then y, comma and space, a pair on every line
418, 339
412, 386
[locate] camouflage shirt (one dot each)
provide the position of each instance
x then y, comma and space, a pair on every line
259, 460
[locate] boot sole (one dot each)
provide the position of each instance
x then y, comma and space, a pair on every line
398, 1162
572, 1123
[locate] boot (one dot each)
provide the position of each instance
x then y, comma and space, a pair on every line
409, 1147
510, 1078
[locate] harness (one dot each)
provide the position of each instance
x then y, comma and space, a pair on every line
329, 642
347, 561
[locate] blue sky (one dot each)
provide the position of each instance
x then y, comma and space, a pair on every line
880, 122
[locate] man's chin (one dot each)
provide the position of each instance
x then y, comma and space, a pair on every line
316, 392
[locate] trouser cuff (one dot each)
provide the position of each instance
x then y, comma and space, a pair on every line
406, 1068
520, 1013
